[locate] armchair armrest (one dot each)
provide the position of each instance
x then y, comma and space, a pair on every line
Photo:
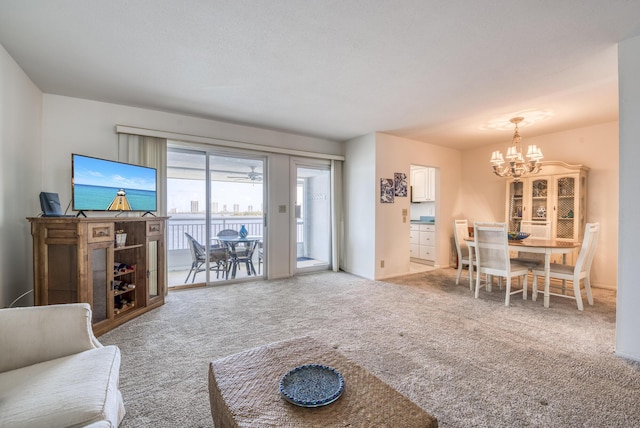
35, 334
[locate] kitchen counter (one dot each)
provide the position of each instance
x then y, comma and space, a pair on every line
424, 219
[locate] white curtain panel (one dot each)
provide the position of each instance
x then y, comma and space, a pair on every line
147, 151
337, 223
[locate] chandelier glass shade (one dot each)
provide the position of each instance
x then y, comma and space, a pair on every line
515, 165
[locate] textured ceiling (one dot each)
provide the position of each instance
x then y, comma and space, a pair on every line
444, 72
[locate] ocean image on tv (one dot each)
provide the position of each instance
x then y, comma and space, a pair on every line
100, 198
103, 185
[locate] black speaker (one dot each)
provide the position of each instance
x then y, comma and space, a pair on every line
50, 204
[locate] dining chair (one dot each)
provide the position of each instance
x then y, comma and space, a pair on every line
228, 232
218, 259
536, 230
245, 258
460, 233
580, 271
238, 248
492, 258
260, 248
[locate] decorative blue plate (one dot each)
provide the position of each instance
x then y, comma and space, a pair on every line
312, 385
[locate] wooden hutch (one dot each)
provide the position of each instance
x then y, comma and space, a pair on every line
79, 260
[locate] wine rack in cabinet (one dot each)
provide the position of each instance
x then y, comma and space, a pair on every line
115, 265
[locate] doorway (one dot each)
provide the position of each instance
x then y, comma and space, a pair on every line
312, 215
209, 191
423, 214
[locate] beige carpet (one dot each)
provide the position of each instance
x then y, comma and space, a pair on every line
469, 362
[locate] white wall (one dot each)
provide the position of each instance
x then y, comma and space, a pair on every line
74, 125
484, 194
627, 313
395, 154
20, 179
360, 187
375, 232
279, 233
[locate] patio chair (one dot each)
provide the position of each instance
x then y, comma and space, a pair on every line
240, 248
237, 250
218, 259
260, 248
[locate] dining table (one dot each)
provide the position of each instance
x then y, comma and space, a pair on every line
232, 242
548, 247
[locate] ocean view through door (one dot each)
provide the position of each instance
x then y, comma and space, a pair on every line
313, 216
212, 199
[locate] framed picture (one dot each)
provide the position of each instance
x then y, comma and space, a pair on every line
387, 190
400, 183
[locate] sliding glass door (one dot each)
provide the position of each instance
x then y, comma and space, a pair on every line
209, 192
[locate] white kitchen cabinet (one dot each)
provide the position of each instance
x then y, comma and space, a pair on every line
423, 184
422, 242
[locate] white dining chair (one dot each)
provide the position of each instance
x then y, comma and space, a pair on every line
536, 230
460, 233
492, 258
580, 271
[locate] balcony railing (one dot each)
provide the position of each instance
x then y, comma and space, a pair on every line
195, 226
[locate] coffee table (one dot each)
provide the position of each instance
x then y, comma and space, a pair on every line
243, 389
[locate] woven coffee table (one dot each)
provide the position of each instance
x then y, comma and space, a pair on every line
243, 389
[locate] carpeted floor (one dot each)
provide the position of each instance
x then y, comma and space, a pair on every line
469, 362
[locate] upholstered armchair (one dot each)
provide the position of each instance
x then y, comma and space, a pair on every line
53, 370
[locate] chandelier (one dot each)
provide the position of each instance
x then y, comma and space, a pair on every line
516, 166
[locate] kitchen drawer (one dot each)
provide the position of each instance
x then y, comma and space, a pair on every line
427, 227
427, 252
427, 238
414, 250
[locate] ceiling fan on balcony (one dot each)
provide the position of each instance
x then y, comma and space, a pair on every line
251, 175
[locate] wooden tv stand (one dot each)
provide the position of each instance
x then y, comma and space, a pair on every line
77, 260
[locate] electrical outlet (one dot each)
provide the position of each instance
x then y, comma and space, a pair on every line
381, 263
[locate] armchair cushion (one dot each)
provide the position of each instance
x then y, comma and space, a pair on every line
35, 334
75, 390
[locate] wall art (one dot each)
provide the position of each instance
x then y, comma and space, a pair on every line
400, 183
387, 190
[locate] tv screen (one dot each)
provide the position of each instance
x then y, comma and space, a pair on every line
104, 185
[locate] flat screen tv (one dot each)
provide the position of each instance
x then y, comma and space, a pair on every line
104, 185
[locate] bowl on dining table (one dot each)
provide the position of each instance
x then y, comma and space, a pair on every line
517, 236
